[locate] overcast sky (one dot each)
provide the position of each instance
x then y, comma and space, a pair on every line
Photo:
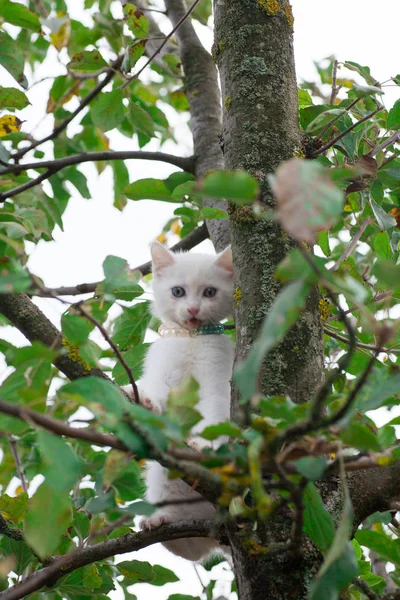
363, 31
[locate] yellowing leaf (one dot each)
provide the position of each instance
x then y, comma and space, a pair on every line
60, 38
9, 124
162, 238
176, 227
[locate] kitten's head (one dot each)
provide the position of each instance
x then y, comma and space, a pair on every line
191, 289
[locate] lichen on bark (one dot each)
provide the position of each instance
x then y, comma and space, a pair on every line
260, 130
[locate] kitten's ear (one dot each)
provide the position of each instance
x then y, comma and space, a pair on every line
161, 257
224, 260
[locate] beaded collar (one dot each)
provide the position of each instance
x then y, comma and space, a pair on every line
176, 331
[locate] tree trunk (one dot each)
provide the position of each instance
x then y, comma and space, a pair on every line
253, 49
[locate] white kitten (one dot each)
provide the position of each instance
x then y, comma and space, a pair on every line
190, 290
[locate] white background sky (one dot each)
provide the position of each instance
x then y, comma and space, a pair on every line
363, 31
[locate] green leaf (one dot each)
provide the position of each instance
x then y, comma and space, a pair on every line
13, 278
393, 120
75, 328
304, 98
121, 180
89, 61
119, 279
361, 437
323, 242
135, 358
19, 552
131, 325
312, 467
284, 312
307, 199
382, 245
136, 571
149, 189
378, 517
12, 58
212, 432
209, 212
173, 63
384, 221
14, 509
136, 21
107, 110
91, 577
340, 565
98, 394
380, 386
129, 483
47, 506
140, 119
237, 186
387, 273
179, 100
62, 467
381, 543
19, 15
323, 119
12, 98
132, 55
318, 523
163, 576
363, 71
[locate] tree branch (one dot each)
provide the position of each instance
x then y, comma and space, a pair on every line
35, 326
184, 163
341, 135
131, 542
29, 184
86, 100
60, 428
202, 90
352, 244
187, 243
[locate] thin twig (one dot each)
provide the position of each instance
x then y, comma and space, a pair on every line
21, 474
187, 243
329, 125
364, 587
80, 557
390, 140
86, 100
184, 163
345, 340
26, 186
161, 46
336, 139
114, 347
352, 244
335, 89
376, 298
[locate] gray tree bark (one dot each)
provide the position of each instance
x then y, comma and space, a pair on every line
254, 52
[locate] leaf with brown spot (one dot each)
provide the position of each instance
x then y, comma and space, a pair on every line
396, 213
307, 200
9, 124
136, 21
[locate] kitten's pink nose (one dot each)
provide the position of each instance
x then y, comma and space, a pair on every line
194, 310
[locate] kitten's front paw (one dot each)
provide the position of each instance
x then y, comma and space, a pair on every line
154, 522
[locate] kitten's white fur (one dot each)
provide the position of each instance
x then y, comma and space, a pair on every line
208, 358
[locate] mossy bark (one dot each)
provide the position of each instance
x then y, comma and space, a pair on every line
253, 49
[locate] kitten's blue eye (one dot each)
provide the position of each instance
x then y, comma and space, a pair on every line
210, 292
178, 292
